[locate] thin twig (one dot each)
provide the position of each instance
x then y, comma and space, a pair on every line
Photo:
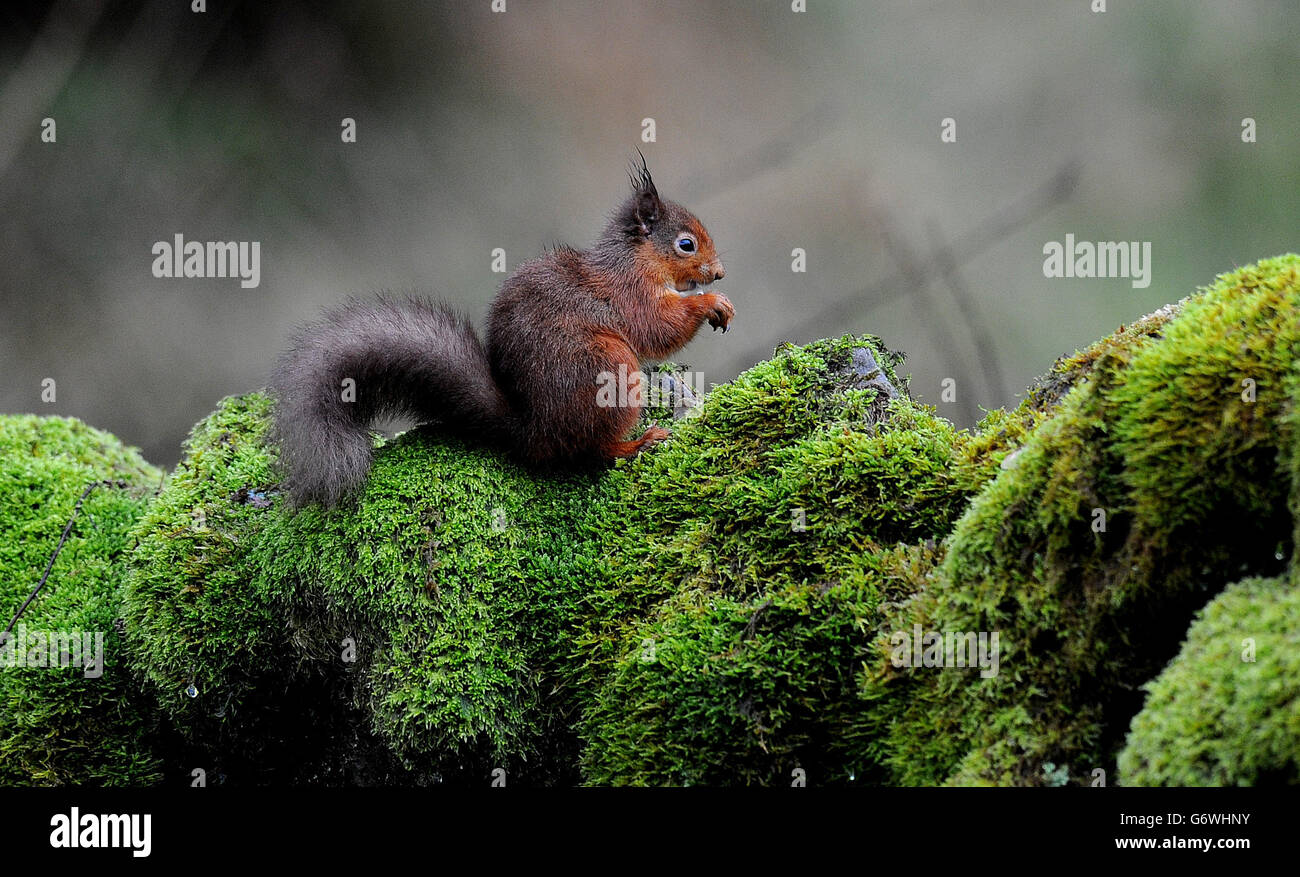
918, 281
985, 352
62, 539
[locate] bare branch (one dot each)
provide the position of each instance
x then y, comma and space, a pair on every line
985, 352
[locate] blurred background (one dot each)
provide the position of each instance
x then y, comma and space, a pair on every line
475, 130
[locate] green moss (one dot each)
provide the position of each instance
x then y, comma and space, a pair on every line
734, 645
1226, 711
1188, 476
57, 725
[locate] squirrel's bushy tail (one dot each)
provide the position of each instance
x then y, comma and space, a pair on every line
407, 357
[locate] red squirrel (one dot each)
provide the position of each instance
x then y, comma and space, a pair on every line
559, 323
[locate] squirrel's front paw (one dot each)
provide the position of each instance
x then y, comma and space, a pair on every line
652, 435
722, 312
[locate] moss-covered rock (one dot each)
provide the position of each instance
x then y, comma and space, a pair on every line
459, 615
408, 637
70, 720
1160, 476
748, 561
195, 624
726, 608
1227, 710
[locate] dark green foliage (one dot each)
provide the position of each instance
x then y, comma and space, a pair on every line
57, 725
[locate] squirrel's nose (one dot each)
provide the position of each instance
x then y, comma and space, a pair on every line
718, 273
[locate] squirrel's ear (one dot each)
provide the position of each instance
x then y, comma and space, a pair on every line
648, 208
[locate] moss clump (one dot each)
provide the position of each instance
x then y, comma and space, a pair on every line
59, 726
749, 559
1226, 711
456, 576
1163, 441
409, 637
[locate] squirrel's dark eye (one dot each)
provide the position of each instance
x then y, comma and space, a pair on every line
685, 244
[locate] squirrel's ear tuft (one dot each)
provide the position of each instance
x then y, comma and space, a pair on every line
647, 207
